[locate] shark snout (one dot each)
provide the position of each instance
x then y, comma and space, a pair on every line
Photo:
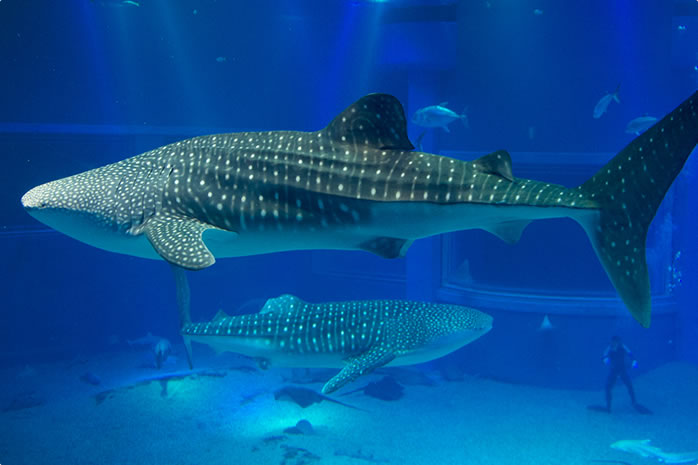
482, 323
35, 198
53, 195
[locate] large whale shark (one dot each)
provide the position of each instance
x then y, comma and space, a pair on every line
357, 184
356, 336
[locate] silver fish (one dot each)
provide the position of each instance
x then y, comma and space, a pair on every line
602, 105
438, 116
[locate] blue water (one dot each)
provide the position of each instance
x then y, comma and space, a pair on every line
85, 83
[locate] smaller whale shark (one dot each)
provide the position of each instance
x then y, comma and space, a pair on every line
356, 336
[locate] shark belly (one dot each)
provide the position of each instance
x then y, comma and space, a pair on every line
265, 348
431, 351
419, 220
404, 220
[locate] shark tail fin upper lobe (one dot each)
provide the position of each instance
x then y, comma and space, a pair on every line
628, 191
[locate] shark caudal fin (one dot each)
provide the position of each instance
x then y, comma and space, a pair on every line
628, 191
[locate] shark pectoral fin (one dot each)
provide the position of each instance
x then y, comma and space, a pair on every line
510, 231
376, 120
386, 247
178, 240
284, 302
498, 163
360, 365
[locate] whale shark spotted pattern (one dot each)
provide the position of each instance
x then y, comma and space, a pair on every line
357, 185
357, 336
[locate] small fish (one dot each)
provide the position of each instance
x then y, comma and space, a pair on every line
438, 116
643, 448
116, 2
640, 124
305, 397
91, 378
537, 12
162, 349
147, 340
602, 105
221, 59
27, 372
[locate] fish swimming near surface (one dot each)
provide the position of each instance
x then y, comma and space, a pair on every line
643, 448
640, 124
356, 336
357, 184
438, 116
116, 2
602, 105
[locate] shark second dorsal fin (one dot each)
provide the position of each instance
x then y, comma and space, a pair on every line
281, 303
220, 315
376, 120
498, 163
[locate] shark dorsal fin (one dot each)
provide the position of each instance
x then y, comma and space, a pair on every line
281, 303
498, 163
376, 120
221, 315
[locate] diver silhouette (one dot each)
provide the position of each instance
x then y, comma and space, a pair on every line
615, 357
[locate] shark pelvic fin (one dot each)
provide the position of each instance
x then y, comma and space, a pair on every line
386, 247
281, 303
357, 366
498, 163
628, 191
376, 120
510, 231
178, 240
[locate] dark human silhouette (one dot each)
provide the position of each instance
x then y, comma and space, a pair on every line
616, 357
